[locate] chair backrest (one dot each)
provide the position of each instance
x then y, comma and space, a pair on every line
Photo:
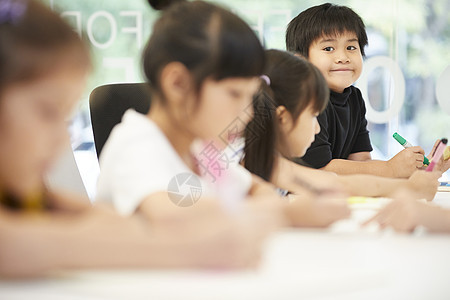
108, 103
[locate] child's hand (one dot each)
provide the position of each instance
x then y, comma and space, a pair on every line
211, 237
227, 242
407, 161
404, 214
424, 184
321, 212
442, 165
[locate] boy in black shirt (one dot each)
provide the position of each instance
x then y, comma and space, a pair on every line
333, 38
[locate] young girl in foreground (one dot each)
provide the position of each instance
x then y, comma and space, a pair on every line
285, 124
43, 67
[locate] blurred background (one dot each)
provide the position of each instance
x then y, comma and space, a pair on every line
405, 81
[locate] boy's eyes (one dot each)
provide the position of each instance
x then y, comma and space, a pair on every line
329, 49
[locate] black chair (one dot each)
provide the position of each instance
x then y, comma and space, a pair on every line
108, 103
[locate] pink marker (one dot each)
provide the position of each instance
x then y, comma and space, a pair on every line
437, 154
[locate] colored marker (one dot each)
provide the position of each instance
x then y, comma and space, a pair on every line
402, 141
438, 154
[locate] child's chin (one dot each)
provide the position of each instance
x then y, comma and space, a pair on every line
301, 154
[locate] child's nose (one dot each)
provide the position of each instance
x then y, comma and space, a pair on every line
342, 57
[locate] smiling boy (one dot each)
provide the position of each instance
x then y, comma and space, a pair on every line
333, 38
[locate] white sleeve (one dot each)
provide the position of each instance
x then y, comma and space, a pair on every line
241, 177
135, 172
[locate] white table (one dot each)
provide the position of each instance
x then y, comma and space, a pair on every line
343, 262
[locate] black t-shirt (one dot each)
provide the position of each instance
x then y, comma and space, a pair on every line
343, 129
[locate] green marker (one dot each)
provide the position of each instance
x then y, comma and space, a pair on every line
401, 140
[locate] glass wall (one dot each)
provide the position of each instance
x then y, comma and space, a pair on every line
405, 82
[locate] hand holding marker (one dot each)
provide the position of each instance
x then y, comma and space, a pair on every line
437, 154
407, 144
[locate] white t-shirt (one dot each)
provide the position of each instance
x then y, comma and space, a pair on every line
236, 151
138, 160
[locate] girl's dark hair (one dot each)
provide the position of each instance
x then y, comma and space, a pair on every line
326, 19
295, 84
34, 41
209, 40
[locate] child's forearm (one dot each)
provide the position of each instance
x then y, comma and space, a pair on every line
435, 218
68, 202
287, 171
370, 185
261, 187
31, 246
372, 167
357, 185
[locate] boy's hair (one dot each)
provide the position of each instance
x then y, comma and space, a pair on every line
34, 41
323, 20
295, 84
208, 40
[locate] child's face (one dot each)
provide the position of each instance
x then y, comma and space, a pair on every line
338, 58
299, 135
33, 127
225, 107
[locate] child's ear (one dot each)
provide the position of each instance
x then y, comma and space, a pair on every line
299, 55
176, 81
282, 114
284, 118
